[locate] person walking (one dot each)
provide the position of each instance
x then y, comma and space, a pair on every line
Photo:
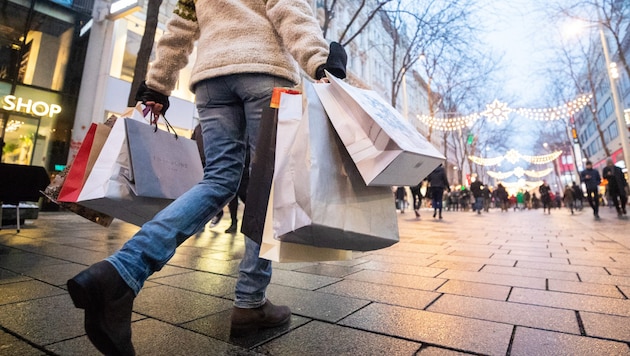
401, 199
476, 187
438, 182
416, 195
502, 197
545, 196
244, 50
617, 186
487, 198
591, 178
520, 200
568, 198
578, 196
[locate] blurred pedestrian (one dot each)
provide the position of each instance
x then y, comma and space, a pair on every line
401, 198
244, 50
502, 197
591, 178
578, 196
568, 198
520, 200
438, 182
545, 196
617, 186
476, 187
416, 195
487, 198
527, 198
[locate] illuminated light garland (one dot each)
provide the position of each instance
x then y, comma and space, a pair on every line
519, 172
513, 187
514, 156
454, 124
498, 112
559, 112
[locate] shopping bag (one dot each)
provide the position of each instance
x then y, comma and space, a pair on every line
260, 176
319, 197
53, 190
385, 147
83, 162
281, 251
139, 171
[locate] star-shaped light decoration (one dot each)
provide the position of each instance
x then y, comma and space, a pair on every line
512, 156
497, 112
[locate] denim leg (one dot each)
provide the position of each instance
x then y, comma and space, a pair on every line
253, 277
254, 272
223, 126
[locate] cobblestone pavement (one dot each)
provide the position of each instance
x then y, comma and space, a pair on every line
515, 283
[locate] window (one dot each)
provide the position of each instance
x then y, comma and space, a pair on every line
612, 131
128, 34
35, 52
608, 108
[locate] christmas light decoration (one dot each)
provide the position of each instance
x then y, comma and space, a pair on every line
513, 187
559, 112
514, 156
453, 124
497, 112
519, 173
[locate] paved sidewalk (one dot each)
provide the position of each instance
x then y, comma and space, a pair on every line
516, 283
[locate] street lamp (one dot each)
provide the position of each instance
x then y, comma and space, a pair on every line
610, 70
621, 124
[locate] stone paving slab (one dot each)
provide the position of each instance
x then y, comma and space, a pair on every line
516, 283
540, 342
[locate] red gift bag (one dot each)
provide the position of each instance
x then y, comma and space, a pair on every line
75, 178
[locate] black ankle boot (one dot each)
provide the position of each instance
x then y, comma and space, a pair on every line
108, 303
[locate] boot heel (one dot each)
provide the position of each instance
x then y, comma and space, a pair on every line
77, 291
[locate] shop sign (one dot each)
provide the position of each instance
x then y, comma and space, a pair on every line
37, 108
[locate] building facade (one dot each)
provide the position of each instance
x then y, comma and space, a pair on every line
587, 134
41, 61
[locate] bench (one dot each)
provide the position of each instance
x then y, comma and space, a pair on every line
20, 183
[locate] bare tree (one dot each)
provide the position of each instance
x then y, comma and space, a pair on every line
360, 16
579, 64
426, 28
146, 47
612, 15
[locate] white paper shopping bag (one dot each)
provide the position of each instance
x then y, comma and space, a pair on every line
386, 148
319, 197
134, 178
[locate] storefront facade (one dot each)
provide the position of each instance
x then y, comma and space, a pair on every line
41, 63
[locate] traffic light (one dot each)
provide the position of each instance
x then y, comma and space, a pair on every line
574, 134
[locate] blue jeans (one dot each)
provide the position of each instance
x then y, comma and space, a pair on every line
478, 203
230, 109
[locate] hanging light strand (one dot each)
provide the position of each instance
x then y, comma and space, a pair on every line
514, 156
519, 172
497, 112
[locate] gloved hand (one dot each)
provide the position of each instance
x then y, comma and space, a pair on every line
150, 97
335, 64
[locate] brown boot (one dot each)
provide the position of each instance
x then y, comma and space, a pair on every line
108, 302
245, 321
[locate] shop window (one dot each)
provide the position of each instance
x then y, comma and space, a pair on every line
128, 34
19, 140
14, 18
46, 48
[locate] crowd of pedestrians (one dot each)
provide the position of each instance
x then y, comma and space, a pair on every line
479, 197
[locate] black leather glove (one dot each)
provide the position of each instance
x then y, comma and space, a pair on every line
146, 94
335, 64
